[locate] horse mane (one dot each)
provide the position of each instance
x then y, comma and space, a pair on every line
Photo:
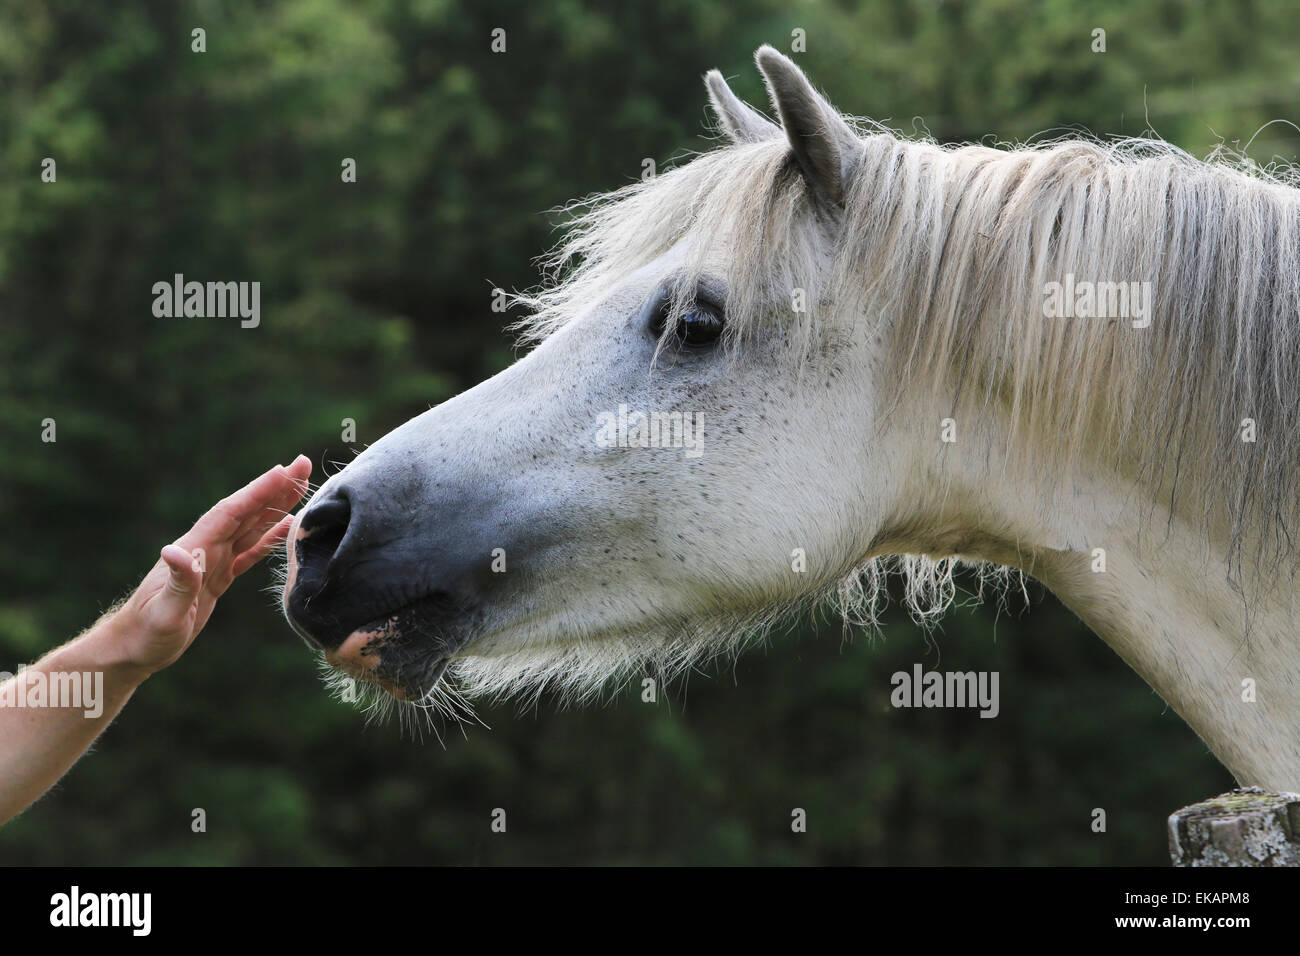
949, 250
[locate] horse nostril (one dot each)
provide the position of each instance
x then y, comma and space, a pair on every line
322, 534
332, 512
322, 531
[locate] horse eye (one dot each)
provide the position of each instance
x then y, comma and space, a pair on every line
699, 325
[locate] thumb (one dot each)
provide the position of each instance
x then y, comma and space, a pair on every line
183, 581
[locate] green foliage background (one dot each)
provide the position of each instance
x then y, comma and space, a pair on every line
225, 165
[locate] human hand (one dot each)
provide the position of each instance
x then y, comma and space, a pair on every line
160, 620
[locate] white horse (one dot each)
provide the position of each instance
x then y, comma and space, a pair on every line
820, 351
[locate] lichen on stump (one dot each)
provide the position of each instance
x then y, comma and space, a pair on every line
1247, 827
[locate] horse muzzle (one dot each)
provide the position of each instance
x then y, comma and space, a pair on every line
386, 599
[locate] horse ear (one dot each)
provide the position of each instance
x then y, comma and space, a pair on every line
824, 145
740, 121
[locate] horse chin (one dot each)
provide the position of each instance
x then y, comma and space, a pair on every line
402, 654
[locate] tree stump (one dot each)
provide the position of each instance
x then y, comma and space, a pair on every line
1247, 827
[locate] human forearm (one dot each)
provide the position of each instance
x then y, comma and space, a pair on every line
51, 712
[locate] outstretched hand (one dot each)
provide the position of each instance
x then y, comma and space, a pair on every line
161, 619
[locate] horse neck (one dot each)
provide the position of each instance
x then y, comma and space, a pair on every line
1164, 598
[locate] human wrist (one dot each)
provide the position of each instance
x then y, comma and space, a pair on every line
105, 648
